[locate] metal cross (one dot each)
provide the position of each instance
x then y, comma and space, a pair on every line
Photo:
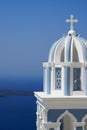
71, 21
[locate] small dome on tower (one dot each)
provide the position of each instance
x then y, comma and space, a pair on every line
65, 73
71, 48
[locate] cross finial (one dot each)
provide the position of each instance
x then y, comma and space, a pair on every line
71, 21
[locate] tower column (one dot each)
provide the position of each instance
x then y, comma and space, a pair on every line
38, 119
52, 77
45, 114
66, 80
47, 78
38, 122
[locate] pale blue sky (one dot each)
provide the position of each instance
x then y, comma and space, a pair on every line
28, 28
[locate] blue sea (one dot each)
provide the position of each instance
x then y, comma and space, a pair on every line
19, 112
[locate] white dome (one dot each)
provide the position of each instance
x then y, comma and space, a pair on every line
71, 48
65, 73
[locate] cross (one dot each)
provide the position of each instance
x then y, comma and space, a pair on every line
71, 21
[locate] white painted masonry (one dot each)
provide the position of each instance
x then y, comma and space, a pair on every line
63, 103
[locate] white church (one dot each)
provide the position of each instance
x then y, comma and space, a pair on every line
63, 103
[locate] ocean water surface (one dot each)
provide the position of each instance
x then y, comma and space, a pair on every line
19, 112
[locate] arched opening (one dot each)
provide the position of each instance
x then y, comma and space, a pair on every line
76, 79
85, 127
66, 120
85, 120
66, 123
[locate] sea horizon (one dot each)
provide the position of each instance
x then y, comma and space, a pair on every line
19, 112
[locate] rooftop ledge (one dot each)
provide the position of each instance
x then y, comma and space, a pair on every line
45, 96
61, 102
51, 64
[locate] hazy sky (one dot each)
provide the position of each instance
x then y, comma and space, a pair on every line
28, 28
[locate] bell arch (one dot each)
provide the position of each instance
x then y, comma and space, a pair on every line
69, 114
66, 120
84, 119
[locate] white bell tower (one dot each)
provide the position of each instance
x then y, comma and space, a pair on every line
63, 103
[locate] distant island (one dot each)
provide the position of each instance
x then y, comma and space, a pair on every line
8, 92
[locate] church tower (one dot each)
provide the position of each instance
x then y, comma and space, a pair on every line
63, 103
